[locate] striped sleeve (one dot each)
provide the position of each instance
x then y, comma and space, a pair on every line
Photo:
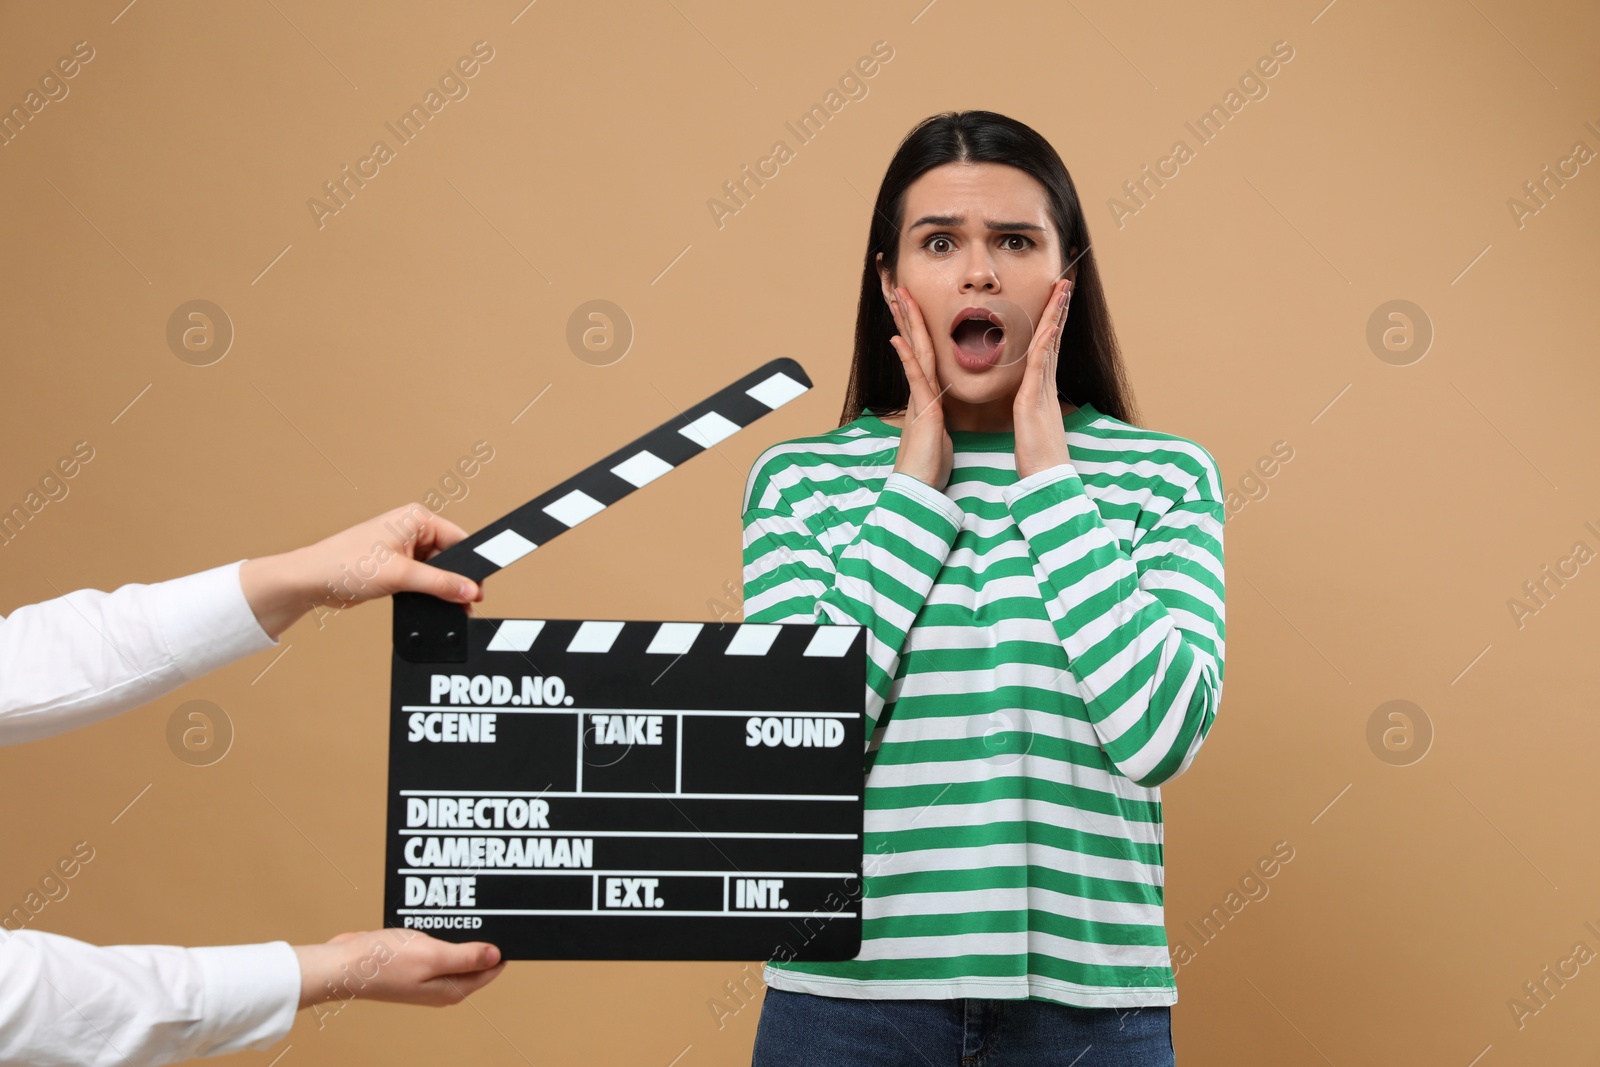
1144, 633
879, 580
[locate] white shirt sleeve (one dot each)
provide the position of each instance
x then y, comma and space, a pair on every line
89, 655
76, 660
66, 1002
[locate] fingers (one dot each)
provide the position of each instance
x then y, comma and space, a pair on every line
1053, 348
415, 534
418, 529
1038, 387
1061, 325
446, 958
915, 377
1056, 311
470, 956
914, 381
900, 323
455, 972
922, 392
908, 320
446, 533
414, 529
1047, 340
903, 349
1066, 302
416, 577
921, 342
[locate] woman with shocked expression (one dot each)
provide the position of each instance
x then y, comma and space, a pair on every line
1041, 583
981, 263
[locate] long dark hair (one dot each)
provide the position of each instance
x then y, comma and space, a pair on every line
1090, 367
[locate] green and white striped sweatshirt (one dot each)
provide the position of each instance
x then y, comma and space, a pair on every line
1042, 654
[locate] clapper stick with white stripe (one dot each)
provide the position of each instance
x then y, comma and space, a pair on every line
428, 629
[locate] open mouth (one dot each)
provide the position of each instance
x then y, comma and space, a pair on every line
978, 340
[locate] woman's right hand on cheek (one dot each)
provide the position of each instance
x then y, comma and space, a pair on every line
925, 449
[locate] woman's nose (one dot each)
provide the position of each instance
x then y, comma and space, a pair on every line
980, 273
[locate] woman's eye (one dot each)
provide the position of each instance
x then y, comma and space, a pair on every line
934, 243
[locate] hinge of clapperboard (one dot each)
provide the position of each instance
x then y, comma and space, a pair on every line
430, 630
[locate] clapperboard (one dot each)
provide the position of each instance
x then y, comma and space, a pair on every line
606, 789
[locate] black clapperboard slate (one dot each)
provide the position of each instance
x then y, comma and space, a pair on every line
607, 789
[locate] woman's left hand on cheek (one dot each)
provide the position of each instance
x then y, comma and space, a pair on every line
1036, 411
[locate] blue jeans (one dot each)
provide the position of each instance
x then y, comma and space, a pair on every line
802, 1030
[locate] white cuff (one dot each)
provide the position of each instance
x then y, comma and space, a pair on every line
206, 621
1049, 476
251, 995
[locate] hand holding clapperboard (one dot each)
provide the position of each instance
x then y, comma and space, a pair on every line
600, 789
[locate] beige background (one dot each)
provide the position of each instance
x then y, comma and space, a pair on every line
371, 353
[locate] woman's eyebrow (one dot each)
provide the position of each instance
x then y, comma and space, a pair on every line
958, 220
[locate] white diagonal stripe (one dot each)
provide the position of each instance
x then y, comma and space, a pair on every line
708, 429
515, 635
641, 468
574, 507
675, 637
831, 640
776, 390
505, 548
595, 637
753, 639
